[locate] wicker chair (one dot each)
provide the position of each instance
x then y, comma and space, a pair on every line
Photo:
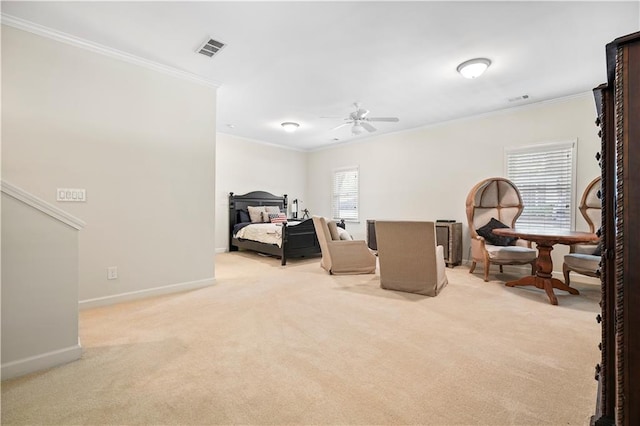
496, 198
584, 258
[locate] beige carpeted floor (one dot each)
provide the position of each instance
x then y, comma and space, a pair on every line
293, 345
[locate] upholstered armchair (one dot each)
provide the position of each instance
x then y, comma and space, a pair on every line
585, 258
342, 256
409, 259
499, 199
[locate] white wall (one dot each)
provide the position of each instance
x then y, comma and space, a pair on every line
39, 290
141, 142
243, 165
426, 173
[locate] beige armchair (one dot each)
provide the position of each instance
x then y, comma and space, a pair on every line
409, 259
500, 199
585, 258
343, 256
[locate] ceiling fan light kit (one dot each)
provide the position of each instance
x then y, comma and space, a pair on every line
473, 68
290, 126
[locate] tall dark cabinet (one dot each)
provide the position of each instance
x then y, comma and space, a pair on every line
618, 105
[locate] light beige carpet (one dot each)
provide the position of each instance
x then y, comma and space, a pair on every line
292, 345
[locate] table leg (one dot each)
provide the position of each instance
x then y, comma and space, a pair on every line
548, 288
543, 278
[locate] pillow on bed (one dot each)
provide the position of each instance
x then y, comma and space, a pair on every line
277, 218
243, 216
255, 213
268, 210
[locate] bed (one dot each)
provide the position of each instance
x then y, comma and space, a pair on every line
295, 238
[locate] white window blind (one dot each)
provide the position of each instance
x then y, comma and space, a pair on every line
545, 176
344, 203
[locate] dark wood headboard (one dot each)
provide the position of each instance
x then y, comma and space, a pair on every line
255, 198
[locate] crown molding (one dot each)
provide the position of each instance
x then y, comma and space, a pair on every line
265, 143
56, 35
41, 205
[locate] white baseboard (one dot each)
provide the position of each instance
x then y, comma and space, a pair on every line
222, 250
40, 362
143, 294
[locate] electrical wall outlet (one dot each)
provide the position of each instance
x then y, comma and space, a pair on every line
112, 272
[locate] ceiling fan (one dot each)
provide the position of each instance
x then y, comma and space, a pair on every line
360, 120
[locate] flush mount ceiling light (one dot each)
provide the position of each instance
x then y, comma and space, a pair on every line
290, 126
473, 67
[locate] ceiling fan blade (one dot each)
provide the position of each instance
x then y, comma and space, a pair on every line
342, 125
368, 126
391, 119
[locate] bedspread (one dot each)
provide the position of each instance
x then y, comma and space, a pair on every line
268, 233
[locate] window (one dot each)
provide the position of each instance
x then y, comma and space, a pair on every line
344, 203
545, 176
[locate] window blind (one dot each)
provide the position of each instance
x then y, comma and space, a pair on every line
544, 176
345, 194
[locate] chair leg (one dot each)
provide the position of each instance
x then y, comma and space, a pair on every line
486, 270
501, 270
473, 267
533, 267
565, 271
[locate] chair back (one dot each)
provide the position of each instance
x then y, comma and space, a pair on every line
407, 257
590, 205
493, 197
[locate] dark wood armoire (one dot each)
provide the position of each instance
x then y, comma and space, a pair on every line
618, 105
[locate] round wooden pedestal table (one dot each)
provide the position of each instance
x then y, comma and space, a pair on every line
545, 240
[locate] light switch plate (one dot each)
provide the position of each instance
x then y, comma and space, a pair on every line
112, 272
78, 195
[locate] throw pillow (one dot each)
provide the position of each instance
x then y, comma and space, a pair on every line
268, 210
243, 216
277, 218
344, 235
255, 213
497, 240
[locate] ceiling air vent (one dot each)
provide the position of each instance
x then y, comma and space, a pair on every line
211, 47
